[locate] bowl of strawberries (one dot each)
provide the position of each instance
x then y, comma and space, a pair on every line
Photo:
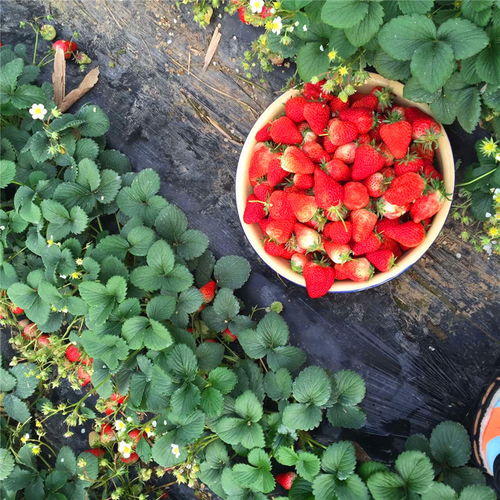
344, 196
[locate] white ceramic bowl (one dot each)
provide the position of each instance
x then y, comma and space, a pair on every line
445, 163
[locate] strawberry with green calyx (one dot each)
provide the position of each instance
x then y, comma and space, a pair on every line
83, 376
337, 104
318, 221
72, 353
276, 250
118, 398
279, 206
426, 131
44, 340
97, 452
67, 46
319, 278
263, 135
307, 133
228, 335
430, 172
355, 195
16, 310
370, 244
297, 262
338, 232
388, 157
317, 115
296, 161
286, 479
259, 162
341, 132
262, 191
294, 108
429, 203
315, 152
384, 97
383, 260
346, 152
131, 459
337, 170
312, 91
358, 269
208, 289
135, 435
363, 222
303, 181
307, 238
280, 230
285, 131
422, 151
337, 253
367, 161
390, 211
107, 433
405, 189
368, 101
410, 163
376, 184
396, 134
328, 193
275, 174
254, 210
409, 234
361, 117
304, 206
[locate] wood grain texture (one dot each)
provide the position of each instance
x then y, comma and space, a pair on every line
426, 342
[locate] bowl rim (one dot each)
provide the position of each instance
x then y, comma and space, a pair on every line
444, 157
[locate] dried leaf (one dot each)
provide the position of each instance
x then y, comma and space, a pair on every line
212, 48
59, 77
86, 84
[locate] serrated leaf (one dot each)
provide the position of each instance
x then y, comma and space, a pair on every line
109, 186
414, 91
163, 452
114, 160
238, 431
339, 42
308, 465
15, 408
460, 477
412, 7
223, 379
287, 356
140, 238
86, 148
386, 486
191, 244
450, 444
7, 381
210, 355
350, 387
231, 271
66, 461
325, 486
225, 304
487, 61
258, 476
96, 122
343, 13
108, 348
439, 491
416, 470
287, 456
362, 32
248, 407
212, 402
465, 38
312, 386
6, 463
477, 492
278, 385
182, 362
302, 417
161, 307
367, 469
348, 417
312, 61
339, 459
27, 382
391, 68
88, 175
7, 172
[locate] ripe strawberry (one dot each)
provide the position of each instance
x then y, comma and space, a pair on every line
87, 361
430, 172
297, 262
376, 184
410, 163
262, 191
361, 117
341, 132
319, 279
338, 232
228, 335
44, 340
118, 398
370, 244
259, 163
337, 104
411, 114
107, 433
208, 289
307, 133
383, 260
67, 46
388, 158
263, 225
280, 230
384, 97
426, 131
97, 452
296, 161
390, 211
328, 192
286, 479
392, 245
355, 195
315, 152
304, 207
84, 376
363, 221
16, 310
410, 234
284, 131
275, 250
317, 115
130, 460
303, 181
397, 137
254, 210
263, 134
427, 205
30, 331
357, 270
72, 353
337, 170
275, 173
423, 151
369, 101
241, 15
312, 91
384, 223
405, 189
367, 161
338, 253
307, 238
294, 108
364, 139
279, 206
346, 152
135, 435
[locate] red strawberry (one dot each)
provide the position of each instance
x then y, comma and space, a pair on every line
319, 279
279, 206
410, 163
346, 152
241, 15
262, 191
117, 398
376, 184
208, 289
337, 170
286, 479
297, 262
355, 195
341, 132
107, 433
87, 361
388, 158
16, 310
363, 221
367, 161
392, 245
84, 376
412, 114
315, 152
426, 131
364, 139
72, 353
356, 269
370, 244
97, 452
328, 192
397, 137
263, 224
328, 146
369, 101
423, 151
383, 260
400, 112
307, 238
307, 133
317, 115
304, 207
405, 189
135, 435
361, 117
303, 181
228, 335
339, 232
384, 97
254, 210
67, 46
430, 172
410, 234
263, 134
296, 161
338, 253
390, 211
259, 163
294, 108
275, 173
337, 104
284, 131
274, 249
130, 460
427, 205
280, 230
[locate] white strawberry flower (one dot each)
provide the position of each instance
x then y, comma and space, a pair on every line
125, 449
256, 6
175, 450
276, 25
120, 425
38, 111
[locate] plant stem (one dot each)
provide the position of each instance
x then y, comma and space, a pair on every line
477, 178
